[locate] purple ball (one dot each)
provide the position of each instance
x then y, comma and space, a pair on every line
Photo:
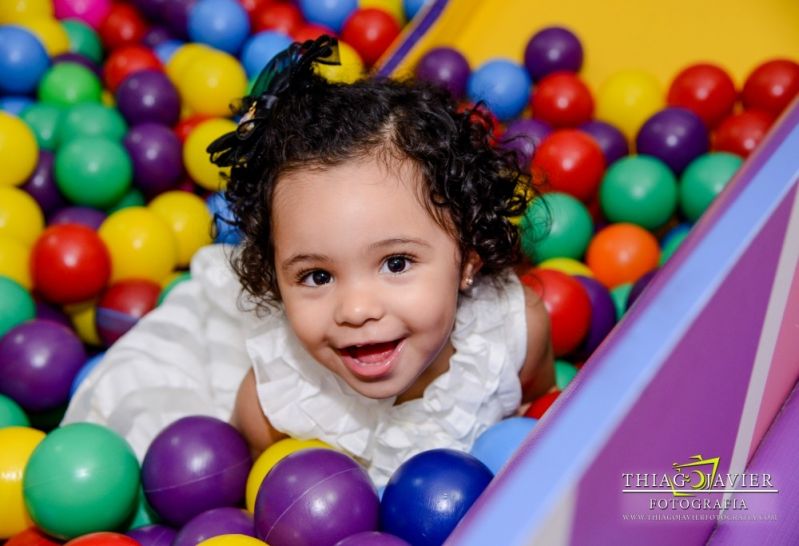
42, 187
603, 315
155, 36
639, 286
45, 311
610, 139
175, 15
551, 50
372, 538
523, 137
151, 9
153, 535
156, 154
77, 58
86, 216
38, 361
445, 67
315, 496
195, 464
217, 521
148, 96
676, 136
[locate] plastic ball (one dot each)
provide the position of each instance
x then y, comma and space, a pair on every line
370, 31
503, 85
14, 257
190, 221
627, 99
672, 241
310, 32
562, 99
259, 49
83, 39
282, 17
196, 158
555, 225
639, 286
103, 538
217, 521
704, 179
18, 444
50, 33
553, 49
11, 12
269, 458
222, 24
225, 230
32, 537
11, 413
14, 104
23, 60
69, 83
175, 15
183, 57
20, 215
372, 538
523, 136
81, 478
153, 535
77, 58
90, 11
208, 85
565, 371
329, 13
603, 315
231, 540
148, 96
741, 133
156, 155
570, 266
315, 496
84, 371
85, 216
495, 446
91, 120
412, 7
706, 90
18, 150
674, 135
123, 26
541, 405
81, 315
771, 86
127, 60
166, 49
621, 253
619, 295
572, 163
43, 119
445, 67
349, 70
611, 141
93, 171
429, 493
639, 189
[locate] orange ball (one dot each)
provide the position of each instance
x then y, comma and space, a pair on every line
622, 253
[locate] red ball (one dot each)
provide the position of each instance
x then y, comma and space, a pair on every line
706, 90
741, 133
252, 6
562, 99
572, 162
185, 126
310, 32
124, 25
122, 305
541, 404
567, 303
482, 115
31, 537
127, 60
70, 264
285, 18
370, 31
771, 86
103, 539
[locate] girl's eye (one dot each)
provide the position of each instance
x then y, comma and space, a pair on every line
397, 264
317, 277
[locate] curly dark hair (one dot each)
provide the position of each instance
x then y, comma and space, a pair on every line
473, 187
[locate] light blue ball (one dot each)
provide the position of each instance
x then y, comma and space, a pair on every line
84, 372
503, 85
260, 48
412, 7
328, 13
23, 60
495, 446
14, 104
222, 24
225, 231
166, 49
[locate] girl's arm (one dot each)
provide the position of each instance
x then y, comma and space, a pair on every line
537, 375
249, 418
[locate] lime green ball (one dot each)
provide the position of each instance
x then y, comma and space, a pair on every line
703, 180
639, 190
555, 225
91, 119
564, 373
620, 295
11, 413
69, 83
83, 39
44, 119
172, 284
80, 479
672, 241
93, 171
16, 305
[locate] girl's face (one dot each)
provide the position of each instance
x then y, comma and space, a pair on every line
368, 279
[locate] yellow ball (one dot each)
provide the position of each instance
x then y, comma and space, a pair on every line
196, 158
183, 57
570, 266
188, 217
269, 458
14, 258
82, 317
20, 215
350, 69
393, 7
19, 151
18, 444
141, 245
209, 83
627, 98
232, 540
50, 32
13, 11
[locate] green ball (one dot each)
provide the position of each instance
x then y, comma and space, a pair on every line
143, 515
672, 242
83, 39
93, 171
69, 83
44, 119
133, 198
639, 190
564, 373
91, 119
703, 180
172, 284
16, 305
12, 414
80, 479
620, 295
555, 225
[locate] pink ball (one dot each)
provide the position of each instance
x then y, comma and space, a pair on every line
92, 12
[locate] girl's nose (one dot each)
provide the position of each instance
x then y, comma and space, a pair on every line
357, 304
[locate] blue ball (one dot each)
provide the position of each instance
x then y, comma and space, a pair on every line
15, 104
222, 24
412, 7
166, 49
85, 371
328, 13
226, 231
260, 48
429, 493
495, 446
503, 85
23, 60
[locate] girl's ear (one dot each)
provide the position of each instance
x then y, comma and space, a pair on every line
471, 266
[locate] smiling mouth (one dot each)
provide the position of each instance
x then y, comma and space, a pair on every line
372, 360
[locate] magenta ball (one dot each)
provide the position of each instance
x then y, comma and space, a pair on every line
42, 187
38, 361
156, 154
148, 96
523, 136
85, 216
315, 496
195, 464
372, 538
676, 136
217, 521
603, 314
610, 139
445, 67
551, 50
153, 535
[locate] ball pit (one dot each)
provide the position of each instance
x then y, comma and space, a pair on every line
18, 444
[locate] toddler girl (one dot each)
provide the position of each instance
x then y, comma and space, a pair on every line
371, 303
